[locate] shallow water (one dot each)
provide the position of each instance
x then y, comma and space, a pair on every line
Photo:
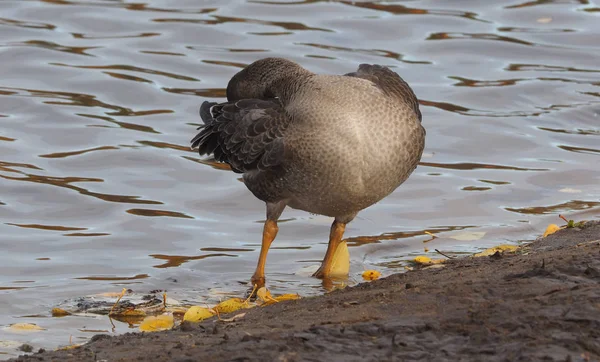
99, 99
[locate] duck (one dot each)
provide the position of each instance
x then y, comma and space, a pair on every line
331, 145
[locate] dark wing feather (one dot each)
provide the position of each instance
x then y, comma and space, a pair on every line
247, 134
390, 83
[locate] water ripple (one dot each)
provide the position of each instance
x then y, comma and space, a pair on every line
405, 10
591, 151
203, 92
54, 46
130, 68
477, 166
99, 99
553, 209
158, 213
177, 260
218, 20
47, 227
82, 100
135, 277
26, 24
77, 153
65, 182
375, 52
480, 36
139, 35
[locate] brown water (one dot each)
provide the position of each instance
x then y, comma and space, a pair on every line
99, 99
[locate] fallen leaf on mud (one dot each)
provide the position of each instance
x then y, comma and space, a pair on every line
264, 295
231, 305
157, 323
340, 265
551, 229
266, 298
58, 312
424, 260
285, 297
197, 314
500, 248
71, 346
25, 327
234, 318
468, 235
371, 275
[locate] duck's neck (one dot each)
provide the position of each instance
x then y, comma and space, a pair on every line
267, 78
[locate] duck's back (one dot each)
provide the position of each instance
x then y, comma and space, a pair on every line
352, 139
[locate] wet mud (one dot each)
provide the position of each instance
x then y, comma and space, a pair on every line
541, 302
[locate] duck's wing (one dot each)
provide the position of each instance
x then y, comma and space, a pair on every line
390, 83
247, 134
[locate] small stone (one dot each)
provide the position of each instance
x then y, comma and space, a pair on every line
26, 348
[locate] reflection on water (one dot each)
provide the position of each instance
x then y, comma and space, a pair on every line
99, 99
558, 208
46, 227
176, 260
362, 240
148, 212
139, 276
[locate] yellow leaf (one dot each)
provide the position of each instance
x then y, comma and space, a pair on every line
58, 312
424, 260
284, 297
231, 305
158, 323
197, 314
500, 248
371, 275
340, 265
71, 346
25, 327
264, 294
551, 229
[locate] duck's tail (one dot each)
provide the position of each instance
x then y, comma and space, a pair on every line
205, 114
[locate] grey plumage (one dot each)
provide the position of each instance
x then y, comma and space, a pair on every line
326, 144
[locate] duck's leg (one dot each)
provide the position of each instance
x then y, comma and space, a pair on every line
270, 229
335, 238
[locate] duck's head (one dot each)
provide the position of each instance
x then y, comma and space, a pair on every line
263, 79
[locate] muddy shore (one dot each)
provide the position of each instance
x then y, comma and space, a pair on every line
540, 303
